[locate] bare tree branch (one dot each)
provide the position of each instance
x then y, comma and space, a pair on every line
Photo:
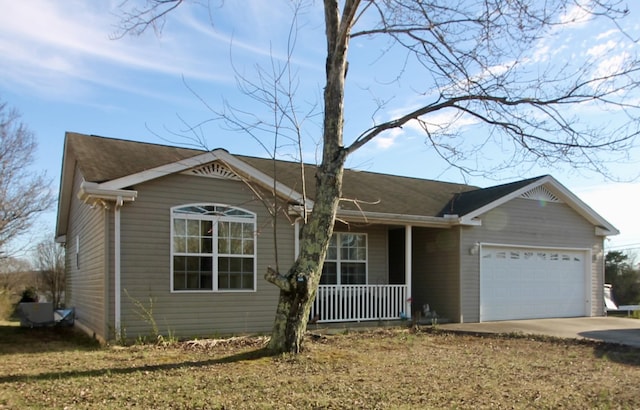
23, 193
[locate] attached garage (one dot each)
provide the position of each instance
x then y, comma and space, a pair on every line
528, 282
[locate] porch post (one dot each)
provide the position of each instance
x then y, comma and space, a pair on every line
407, 268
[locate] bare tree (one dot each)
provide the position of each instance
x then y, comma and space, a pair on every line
472, 55
49, 262
23, 193
15, 277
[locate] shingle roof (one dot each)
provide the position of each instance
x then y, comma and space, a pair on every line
465, 202
103, 159
370, 191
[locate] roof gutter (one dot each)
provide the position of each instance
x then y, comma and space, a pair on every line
446, 221
413, 220
94, 193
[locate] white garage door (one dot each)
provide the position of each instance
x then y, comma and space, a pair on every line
529, 283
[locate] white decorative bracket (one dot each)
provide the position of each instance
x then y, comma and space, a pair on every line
540, 193
213, 170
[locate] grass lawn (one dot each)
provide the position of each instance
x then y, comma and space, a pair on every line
391, 368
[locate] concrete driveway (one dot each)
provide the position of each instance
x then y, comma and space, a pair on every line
619, 330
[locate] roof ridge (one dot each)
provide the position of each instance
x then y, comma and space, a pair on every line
79, 134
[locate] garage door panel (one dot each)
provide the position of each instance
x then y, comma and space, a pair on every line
528, 283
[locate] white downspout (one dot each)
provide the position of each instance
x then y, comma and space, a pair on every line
117, 285
296, 239
407, 267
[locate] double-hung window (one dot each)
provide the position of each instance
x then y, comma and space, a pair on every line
213, 248
346, 261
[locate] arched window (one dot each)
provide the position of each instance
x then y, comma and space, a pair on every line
213, 248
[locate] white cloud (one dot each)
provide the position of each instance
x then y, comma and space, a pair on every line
388, 139
71, 42
601, 49
606, 34
612, 65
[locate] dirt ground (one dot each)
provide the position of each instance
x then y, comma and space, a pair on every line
391, 368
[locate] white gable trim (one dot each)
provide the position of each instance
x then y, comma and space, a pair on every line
602, 227
240, 167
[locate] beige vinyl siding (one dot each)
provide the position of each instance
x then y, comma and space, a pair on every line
86, 290
146, 257
435, 271
528, 223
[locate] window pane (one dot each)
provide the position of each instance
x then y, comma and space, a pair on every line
193, 245
193, 280
247, 281
235, 273
206, 245
206, 228
223, 229
352, 273
179, 263
179, 244
235, 265
247, 266
193, 263
235, 281
247, 230
332, 251
192, 273
236, 247
206, 280
353, 247
179, 226
247, 247
223, 245
329, 274
193, 227
178, 281
236, 229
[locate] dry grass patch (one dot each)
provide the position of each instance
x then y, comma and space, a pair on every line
378, 369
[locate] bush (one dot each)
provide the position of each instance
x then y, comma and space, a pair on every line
29, 295
624, 279
6, 306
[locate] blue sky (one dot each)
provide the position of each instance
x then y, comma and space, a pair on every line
64, 71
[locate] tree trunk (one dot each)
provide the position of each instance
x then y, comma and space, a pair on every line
298, 288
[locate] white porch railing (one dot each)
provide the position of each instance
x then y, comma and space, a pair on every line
354, 303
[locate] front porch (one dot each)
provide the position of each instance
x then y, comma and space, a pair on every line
359, 303
369, 274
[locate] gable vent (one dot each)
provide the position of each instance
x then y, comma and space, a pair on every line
540, 193
213, 170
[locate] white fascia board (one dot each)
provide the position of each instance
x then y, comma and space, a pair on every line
161, 171
91, 191
471, 216
245, 170
251, 174
384, 218
603, 228
469, 221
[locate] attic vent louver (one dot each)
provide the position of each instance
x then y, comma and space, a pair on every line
540, 193
213, 170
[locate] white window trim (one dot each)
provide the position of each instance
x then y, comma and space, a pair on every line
339, 261
214, 255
